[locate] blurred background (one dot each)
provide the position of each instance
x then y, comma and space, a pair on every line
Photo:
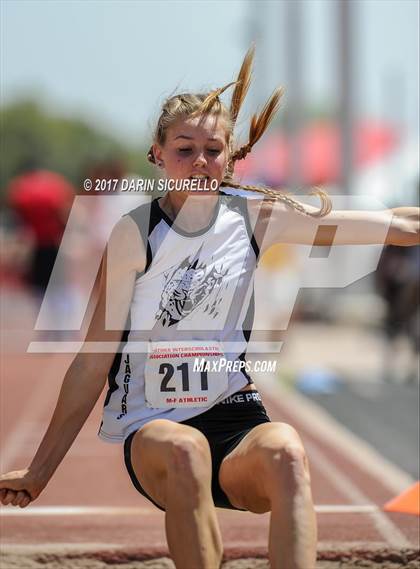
81, 87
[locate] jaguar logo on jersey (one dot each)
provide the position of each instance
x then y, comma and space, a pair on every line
187, 287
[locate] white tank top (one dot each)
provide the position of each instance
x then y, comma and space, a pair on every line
195, 286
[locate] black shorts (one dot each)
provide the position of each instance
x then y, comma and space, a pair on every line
224, 426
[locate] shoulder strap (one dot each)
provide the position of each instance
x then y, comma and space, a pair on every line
146, 217
239, 204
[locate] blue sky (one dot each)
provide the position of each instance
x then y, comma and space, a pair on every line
113, 62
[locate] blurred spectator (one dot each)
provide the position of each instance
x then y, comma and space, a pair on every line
42, 201
398, 282
15, 250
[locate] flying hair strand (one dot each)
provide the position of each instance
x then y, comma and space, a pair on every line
259, 124
242, 85
211, 99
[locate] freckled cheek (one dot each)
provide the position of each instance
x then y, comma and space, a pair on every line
176, 162
221, 165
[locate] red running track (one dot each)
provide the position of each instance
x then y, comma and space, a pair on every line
90, 502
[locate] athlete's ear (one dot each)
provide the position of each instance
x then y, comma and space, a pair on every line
157, 152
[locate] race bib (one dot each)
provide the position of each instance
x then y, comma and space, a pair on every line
175, 374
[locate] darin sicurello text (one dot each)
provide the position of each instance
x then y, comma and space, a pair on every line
163, 185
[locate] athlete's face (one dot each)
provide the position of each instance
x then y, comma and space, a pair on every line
195, 148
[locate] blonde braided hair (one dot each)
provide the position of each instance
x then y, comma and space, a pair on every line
188, 104
277, 195
259, 123
212, 100
243, 83
238, 96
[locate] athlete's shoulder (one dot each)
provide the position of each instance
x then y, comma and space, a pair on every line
146, 216
125, 245
140, 211
123, 230
125, 233
235, 199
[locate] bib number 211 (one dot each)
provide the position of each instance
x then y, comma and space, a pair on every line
168, 370
172, 379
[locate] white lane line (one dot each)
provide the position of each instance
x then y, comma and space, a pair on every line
111, 511
74, 511
346, 509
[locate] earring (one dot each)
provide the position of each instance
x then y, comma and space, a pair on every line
160, 164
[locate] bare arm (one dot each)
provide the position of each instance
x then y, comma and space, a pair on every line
405, 227
279, 223
86, 376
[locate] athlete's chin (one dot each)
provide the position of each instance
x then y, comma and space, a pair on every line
204, 187
208, 195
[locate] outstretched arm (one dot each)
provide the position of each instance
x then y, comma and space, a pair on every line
280, 223
85, 378
405, 227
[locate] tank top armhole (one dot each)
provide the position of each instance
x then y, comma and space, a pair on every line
241, 203
146, 217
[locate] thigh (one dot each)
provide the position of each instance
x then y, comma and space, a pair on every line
151, 454
244, 472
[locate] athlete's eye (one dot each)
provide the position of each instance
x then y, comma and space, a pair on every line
184, 150
214, 151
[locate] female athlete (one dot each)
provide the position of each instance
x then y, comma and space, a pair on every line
177, 278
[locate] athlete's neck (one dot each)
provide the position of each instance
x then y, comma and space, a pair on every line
190, 212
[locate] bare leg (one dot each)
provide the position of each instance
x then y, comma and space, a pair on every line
268, 471
192, 528
293, 530
173, 464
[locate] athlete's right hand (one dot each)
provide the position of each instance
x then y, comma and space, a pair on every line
19, 488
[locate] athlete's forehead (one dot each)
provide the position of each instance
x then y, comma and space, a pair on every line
210, 128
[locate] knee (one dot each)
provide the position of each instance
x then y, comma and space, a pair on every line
285, 464
189, 455
168, 450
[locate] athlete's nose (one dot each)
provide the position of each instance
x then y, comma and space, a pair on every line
200, 160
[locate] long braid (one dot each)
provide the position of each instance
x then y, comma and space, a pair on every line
242, 85
325, 209
238, 96
259, 124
